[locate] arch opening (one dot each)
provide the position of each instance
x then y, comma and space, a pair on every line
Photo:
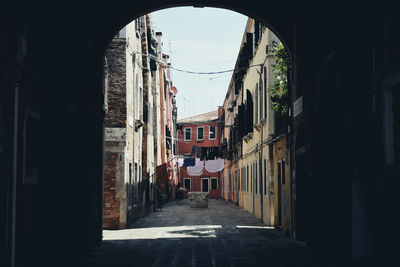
342, 127
241, 133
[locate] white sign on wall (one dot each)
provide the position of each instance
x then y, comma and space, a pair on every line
130, 121
298, 106
115, 134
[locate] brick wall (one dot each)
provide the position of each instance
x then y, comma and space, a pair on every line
116, 95
116, 116
111, 203
186, 146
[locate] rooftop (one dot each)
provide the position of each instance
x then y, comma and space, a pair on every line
209, 116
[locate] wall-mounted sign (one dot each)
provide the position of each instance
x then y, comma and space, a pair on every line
298, 106
115, 134
130, 120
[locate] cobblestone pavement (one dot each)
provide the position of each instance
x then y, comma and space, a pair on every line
222, 235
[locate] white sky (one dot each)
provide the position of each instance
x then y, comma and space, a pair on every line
201, 40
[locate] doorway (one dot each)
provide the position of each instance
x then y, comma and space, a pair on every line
204, 185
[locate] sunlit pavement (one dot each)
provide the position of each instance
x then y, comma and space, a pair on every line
222, 235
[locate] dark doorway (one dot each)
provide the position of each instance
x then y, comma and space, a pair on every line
204, 185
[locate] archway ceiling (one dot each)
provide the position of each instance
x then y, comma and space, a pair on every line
104, 21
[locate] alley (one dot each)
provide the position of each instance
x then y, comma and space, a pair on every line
222, 235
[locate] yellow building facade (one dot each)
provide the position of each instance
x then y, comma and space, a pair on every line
258, 177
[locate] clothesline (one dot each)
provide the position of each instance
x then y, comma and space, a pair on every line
195, 166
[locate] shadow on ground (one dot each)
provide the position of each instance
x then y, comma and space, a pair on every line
222, 235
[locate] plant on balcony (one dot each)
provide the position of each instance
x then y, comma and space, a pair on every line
279, 90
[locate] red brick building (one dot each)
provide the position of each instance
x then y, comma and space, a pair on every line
199, 141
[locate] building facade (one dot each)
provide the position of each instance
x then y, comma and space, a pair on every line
167, 138
256, 174
139, 122
201, 165
123, 125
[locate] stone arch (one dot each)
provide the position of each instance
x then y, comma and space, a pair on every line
280, 23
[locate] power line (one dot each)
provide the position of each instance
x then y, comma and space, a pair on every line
215, 72
192, 72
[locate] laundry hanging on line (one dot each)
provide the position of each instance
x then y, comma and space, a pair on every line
197, 169
206, 153
189, 162
214, 165
180, 161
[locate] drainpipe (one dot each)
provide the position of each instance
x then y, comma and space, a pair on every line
291, 155
103, 147
254, 186
261, 152
14, 176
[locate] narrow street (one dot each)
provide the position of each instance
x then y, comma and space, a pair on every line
222, 235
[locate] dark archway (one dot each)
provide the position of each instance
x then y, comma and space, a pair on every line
51, 63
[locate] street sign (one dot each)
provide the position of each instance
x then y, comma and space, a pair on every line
115, 134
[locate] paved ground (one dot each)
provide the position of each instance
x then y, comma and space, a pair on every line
222, 235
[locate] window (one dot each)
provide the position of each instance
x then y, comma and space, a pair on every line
130, 173
200, 133
256, 33
241, 179
265, 92
214, 183
249, 112
136, 172
247, 178
212, 133
188, 134
279, 173
255, 178
252, 177
187, 183
265, 176
138, 26
256, 105
204, 185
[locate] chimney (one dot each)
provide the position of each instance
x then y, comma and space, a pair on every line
220, 110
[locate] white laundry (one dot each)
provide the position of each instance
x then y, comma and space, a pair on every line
214, 165
197, 169
180, 161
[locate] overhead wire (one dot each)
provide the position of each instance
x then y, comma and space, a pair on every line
188, 71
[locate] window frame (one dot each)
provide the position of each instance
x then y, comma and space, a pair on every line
197, 133
209, 132
184, 134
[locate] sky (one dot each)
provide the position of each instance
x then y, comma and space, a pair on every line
200, 40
